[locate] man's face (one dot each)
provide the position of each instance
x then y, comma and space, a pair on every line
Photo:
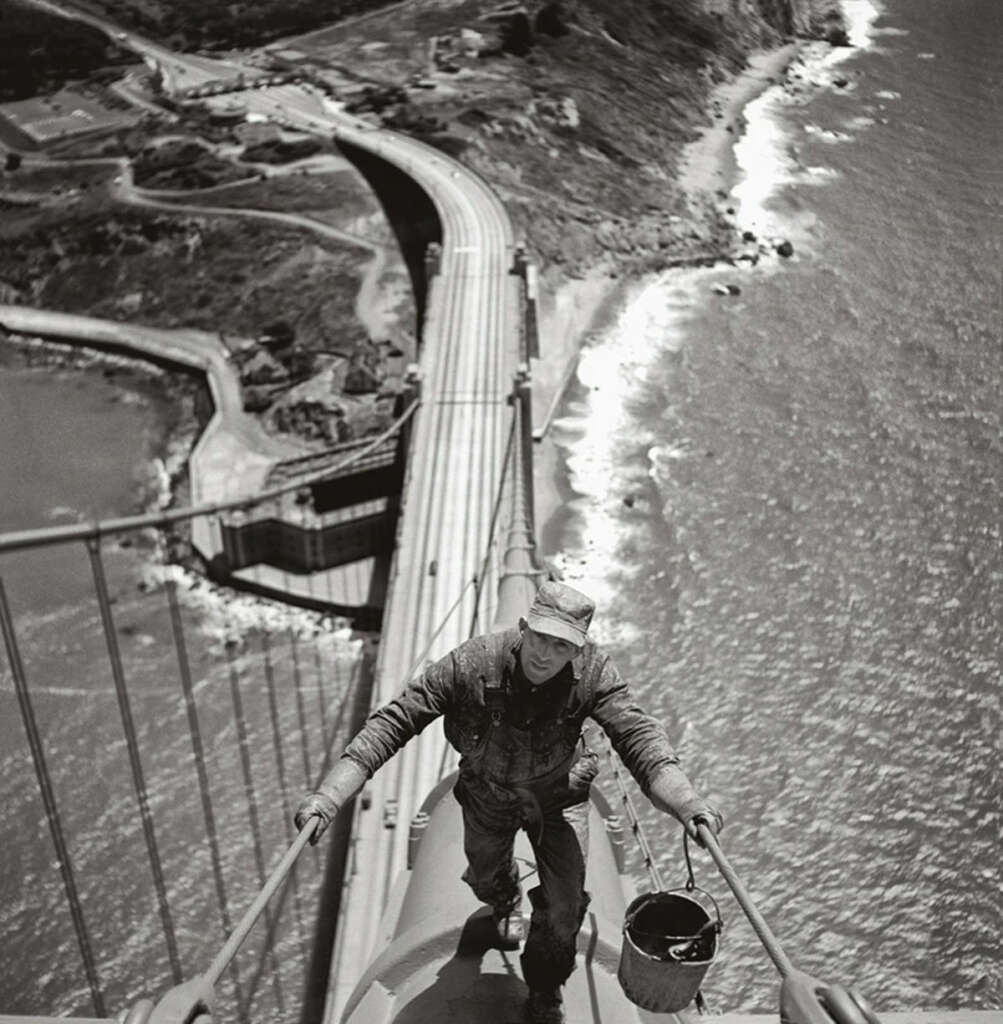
542, 656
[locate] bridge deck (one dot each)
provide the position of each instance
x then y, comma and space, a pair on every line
470, 354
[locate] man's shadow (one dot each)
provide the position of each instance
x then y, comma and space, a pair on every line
462, 992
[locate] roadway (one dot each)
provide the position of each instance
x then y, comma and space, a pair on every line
471, 349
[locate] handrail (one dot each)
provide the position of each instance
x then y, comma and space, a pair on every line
23, 539
193, 1002
222, 959
635, 821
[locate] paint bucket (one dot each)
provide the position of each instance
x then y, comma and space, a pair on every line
670, 940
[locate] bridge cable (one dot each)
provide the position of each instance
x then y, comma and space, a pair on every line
252, 805
139, 783
49, 800
632, 817
280, 765
198, 751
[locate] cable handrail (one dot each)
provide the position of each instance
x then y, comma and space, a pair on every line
47, 536
221, 961
635, 821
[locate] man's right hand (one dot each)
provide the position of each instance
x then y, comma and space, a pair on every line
316, 805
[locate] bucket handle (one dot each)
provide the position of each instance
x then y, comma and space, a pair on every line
691, 885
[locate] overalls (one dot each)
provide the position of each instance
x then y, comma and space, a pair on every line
538, 779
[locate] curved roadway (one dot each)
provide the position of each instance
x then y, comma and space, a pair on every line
471, 350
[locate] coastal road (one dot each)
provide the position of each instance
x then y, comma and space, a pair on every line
234, 453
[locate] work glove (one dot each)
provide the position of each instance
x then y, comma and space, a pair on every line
672, 791
344, 780
704, 814
316, 805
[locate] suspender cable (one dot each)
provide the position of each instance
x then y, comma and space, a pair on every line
635, 824
494, 524
280, 765
252, 803
121, 692
198, 751
325, 736
300, 706
49, 799
324, 741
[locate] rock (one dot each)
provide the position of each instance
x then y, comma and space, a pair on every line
721, 289
517, 34
840, 83
748, 236
785, 249
733, 289
836, 35
552, 20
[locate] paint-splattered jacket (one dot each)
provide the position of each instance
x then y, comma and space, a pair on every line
512, 737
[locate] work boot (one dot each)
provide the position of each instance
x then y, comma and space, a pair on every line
545, 1006
510, 928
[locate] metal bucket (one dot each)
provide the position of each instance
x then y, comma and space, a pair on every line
669, 942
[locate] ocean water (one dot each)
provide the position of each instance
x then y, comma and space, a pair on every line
788, 504
78, 446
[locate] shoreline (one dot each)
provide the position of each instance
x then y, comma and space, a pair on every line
594, 301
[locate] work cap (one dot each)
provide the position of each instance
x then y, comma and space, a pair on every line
561, 611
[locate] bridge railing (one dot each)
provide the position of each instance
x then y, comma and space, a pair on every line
241, 701
228, 707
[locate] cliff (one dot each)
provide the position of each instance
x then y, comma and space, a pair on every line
575, 111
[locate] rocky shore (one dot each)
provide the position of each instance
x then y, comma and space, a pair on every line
574, 309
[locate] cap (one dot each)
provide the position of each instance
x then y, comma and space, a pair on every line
561, 611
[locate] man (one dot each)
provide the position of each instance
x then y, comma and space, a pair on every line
514, 704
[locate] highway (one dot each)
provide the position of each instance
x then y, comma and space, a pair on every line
470, 354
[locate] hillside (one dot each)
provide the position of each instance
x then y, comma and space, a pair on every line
575, 111
40, 51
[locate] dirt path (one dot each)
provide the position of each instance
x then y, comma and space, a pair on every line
368, 310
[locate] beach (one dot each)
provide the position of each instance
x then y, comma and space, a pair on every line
573, 309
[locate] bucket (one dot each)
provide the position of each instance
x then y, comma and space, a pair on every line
670, 940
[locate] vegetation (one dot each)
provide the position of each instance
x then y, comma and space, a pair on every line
304, 193
182, 164
172, 270
202, 24
281, 151
40, 52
